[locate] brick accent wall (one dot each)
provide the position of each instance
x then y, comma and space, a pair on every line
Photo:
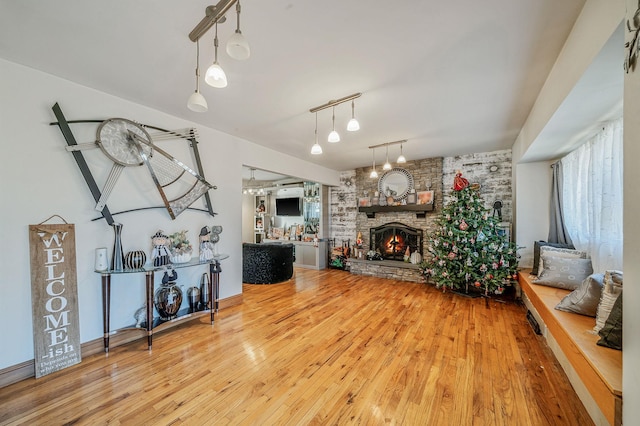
343, 208
426, 173
492, 170
495, 184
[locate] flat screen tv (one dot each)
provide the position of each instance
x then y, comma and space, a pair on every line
288, 206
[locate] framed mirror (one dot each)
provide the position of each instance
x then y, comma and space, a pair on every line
395, 183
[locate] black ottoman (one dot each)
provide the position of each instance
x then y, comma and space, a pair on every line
266, 263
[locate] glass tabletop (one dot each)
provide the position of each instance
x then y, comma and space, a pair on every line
149, 267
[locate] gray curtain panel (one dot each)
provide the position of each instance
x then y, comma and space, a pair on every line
557, 230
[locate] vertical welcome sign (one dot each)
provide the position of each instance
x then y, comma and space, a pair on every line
54, 297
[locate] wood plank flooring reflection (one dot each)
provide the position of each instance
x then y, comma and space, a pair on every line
324, 348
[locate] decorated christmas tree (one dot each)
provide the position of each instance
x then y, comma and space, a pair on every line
468, 248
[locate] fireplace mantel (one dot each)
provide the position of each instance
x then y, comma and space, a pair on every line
420, 209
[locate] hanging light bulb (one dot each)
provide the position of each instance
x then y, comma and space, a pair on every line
353, 124
333, 136
387, 164
374, 174
196, 101
215, 75
316, 149
401, 158
237, 46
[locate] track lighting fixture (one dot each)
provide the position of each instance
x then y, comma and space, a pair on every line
373, 174
387, 164
215, 76
196, 101
333, 136
237, 48
316, 149
353, 123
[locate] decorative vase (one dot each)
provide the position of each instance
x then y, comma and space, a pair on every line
205, 296
182, 257
135, 259
193, 296
168, 297
117, 258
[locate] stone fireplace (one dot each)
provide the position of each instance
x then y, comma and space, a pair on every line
392, 240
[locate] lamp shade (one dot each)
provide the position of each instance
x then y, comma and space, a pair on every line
401, 159
373, 174
237, 47
197, 102
215, 76
316, 149
353, 125
333, 137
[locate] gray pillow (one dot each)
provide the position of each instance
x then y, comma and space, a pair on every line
584, 299
564, 272
536, 253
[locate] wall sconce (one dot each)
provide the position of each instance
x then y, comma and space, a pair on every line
237, 47
353, 124
387, 165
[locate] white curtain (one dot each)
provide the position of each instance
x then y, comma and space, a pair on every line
593, 199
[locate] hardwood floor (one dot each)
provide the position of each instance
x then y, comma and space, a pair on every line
326, 347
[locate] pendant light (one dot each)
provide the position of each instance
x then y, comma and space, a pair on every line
333, 136
316, 149
374, 174
215, 75
353, 124
196, 101
387, 164
401, 158
237, 46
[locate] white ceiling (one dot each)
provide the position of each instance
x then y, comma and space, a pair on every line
452, 77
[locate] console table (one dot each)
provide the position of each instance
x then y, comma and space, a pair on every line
157, 323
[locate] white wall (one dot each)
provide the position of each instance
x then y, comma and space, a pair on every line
631, 301
532, 212
39, 178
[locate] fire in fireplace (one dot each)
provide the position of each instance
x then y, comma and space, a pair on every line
392, 240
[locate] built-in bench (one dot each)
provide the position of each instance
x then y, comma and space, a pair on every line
594, 371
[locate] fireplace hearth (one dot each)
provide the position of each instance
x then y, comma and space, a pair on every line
392, 239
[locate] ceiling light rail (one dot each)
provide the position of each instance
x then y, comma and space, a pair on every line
237, 48
334, 136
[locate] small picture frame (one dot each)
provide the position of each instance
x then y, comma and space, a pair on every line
425, 197
364, 202
277, 233
258, 223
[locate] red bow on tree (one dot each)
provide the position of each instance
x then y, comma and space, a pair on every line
459, 183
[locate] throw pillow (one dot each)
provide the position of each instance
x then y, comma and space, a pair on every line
558, 252
536, 253
610, 292
563, 272
611, 333
584, 299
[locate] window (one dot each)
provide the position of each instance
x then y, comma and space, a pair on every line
592, 197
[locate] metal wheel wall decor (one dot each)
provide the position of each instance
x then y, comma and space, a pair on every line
130, 144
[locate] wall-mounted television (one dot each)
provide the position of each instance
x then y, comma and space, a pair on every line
288, 206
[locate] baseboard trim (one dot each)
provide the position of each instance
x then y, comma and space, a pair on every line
27, 369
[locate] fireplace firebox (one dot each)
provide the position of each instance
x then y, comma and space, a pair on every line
392, 239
